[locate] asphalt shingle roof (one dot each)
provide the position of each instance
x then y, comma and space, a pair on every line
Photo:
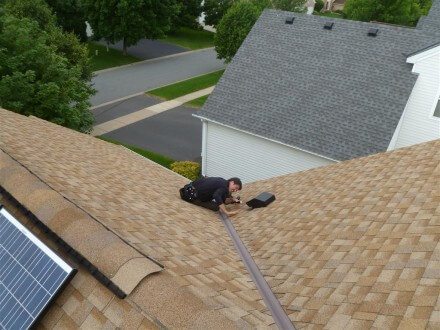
338, 93
351, 245
431, 22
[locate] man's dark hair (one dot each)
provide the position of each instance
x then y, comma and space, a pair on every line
236, 181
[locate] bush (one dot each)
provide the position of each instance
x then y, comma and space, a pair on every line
319, 4
190, 170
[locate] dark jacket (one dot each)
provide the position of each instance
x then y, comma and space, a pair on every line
211, 189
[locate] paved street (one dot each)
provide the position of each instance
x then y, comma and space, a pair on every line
128, 80
112, 111
174, 133
145, 112
146, 49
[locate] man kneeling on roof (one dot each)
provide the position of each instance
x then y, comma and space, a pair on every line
212, 193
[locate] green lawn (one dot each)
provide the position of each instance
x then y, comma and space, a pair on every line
198, 103
187, 86
107, 59
329, 14
190, 38
157, 158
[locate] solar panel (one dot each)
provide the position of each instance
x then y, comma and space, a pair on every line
30, 274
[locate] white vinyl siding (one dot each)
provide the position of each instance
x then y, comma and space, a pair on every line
418, 123
230, 153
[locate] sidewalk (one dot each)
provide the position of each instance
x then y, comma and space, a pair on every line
131, 118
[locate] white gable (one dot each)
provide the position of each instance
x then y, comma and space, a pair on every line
418, 123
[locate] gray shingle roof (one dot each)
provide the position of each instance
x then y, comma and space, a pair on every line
338, 93
431, 22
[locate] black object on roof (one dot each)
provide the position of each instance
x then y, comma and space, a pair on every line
262, 200
328, 25
290, 19
372, 32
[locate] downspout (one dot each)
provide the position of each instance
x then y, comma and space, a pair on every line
204, 142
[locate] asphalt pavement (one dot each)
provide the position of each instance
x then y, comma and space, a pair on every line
118, 109
146, 49
120, 82
174, 133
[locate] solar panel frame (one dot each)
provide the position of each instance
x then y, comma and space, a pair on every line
25, 260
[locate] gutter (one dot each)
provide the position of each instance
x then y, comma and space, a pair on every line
263, 137
279, 315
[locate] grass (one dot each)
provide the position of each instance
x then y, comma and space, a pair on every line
107, 59
187, 86
157, 158
329, 14
190, 38
198, 103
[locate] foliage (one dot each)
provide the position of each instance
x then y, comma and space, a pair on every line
190, 170
215, 9
190, 10
289, 5
130, 20
66, 44
101, 59
70, 16
37, 79
233, 29
424, 5
187, 86
319, 4
37, 10
155, 157
404, 12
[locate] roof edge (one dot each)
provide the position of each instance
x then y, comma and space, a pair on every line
423, 53
84, 238
266, 138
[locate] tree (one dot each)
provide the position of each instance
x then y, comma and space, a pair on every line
289, 5
215, 9
189, 11
404, 12
130, 20
37, 10
41, 77
234, 27
70, 16
67, 45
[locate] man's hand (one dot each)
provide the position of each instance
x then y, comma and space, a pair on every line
222, 208
231, 214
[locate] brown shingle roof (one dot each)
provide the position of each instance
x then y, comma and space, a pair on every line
354, 244
138, 200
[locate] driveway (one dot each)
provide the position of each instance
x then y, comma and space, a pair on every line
174, 133
120, 82
146, 49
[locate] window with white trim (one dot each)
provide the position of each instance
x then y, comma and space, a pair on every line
437, 110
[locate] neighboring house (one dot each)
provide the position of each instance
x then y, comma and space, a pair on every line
298, 96
354, 245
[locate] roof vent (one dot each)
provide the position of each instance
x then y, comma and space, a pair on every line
328, 25
372, 32
289, 20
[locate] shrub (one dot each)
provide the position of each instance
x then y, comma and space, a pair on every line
319, 4
190, 170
